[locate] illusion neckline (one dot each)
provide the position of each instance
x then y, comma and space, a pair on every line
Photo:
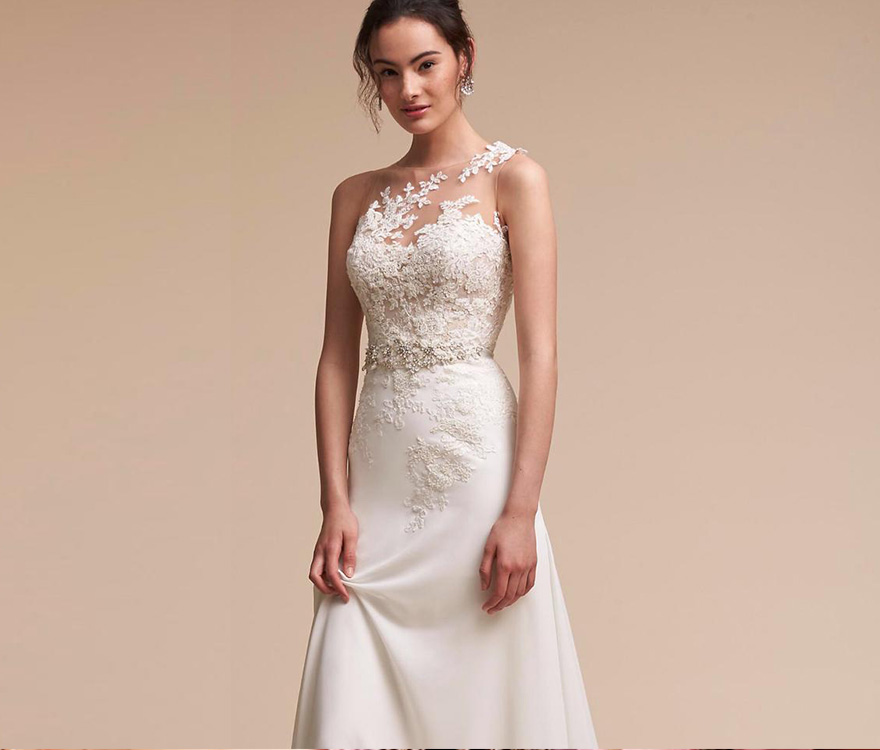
448, 167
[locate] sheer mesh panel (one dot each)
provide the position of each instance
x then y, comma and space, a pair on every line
430, 262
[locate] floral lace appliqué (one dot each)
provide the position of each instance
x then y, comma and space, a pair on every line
462, 413
428, 304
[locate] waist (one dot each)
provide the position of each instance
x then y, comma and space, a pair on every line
414, 355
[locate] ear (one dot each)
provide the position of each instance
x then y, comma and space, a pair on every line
462, 69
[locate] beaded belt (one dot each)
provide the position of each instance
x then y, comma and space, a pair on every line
415, 356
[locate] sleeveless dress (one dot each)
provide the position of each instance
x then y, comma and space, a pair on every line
412, 660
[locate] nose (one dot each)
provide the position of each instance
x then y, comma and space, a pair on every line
409, 87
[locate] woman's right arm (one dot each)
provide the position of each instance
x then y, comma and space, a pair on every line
335, 395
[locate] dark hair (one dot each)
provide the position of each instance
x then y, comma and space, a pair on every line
445, 15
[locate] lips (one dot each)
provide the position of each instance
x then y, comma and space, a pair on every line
416, 109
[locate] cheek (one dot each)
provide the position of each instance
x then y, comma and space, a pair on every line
449, 82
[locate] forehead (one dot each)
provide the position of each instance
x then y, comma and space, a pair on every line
404, 38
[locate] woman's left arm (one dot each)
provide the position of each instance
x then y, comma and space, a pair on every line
524, 201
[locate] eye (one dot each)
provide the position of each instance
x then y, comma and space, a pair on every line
432, 63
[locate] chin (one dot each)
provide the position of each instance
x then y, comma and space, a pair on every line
417, 127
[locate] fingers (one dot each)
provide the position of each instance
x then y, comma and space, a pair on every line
325, 575
509, 595
331, 572
316, 573
509, 587
499, 589
486, 566
348, 554
523, 585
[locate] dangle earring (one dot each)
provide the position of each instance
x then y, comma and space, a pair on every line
467, 86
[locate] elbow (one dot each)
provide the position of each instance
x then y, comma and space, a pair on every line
544, 356
339, 363
541, 366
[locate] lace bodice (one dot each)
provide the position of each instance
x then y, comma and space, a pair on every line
432, 273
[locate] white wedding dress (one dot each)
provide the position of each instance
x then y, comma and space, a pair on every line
412, 660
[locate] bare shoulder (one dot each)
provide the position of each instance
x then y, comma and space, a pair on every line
350, 194
522, 171
521, 183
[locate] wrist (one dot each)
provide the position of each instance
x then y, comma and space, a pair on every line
331, 501
520, 509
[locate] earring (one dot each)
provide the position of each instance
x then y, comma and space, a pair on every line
467, 86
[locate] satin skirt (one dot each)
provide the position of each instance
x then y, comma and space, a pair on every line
412, 660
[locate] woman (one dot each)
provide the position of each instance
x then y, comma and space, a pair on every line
439, 620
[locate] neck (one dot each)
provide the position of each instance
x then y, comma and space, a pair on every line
452, 142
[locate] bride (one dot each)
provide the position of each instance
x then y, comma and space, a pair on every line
439, 617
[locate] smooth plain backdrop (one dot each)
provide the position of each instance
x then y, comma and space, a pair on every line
166, 169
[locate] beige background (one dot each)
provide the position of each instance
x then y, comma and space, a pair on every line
712, 491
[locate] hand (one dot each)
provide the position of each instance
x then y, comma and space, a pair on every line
513, 546
338, 536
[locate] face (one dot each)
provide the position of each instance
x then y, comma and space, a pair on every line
414, 65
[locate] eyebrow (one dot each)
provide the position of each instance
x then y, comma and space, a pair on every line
415, 59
